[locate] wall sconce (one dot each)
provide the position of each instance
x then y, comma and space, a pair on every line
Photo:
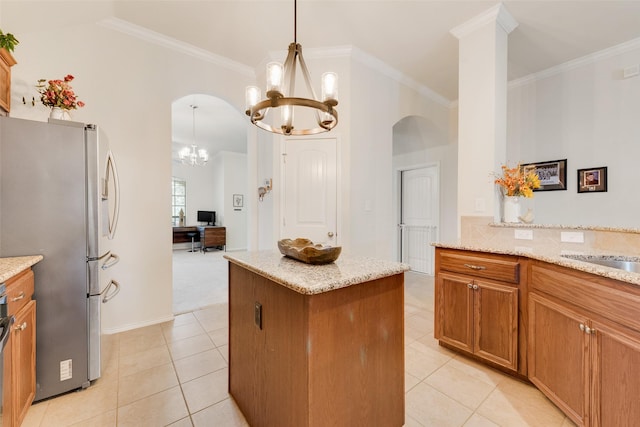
264, 190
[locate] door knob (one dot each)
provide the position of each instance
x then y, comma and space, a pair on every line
330, 234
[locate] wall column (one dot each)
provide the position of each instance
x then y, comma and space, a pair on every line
482, 110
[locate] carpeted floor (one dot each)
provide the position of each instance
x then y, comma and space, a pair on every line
199, 280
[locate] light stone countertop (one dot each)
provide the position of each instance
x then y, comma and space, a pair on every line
543, 253
11, 266
310, 279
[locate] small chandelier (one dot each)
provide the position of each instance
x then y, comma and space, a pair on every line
326, 116
193, 156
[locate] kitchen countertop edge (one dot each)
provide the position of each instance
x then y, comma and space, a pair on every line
311, 279
10, 266
558, 259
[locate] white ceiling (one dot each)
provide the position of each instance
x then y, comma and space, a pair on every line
411, 36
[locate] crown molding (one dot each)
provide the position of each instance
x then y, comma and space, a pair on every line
609, 52
146, 34
498, 14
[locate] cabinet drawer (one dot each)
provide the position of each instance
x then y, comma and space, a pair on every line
497, 268
19, 291
595, 294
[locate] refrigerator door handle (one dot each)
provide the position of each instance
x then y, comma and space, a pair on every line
107, 296
112, 171
111, 261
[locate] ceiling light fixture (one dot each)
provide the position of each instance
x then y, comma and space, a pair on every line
281, 98
194, 156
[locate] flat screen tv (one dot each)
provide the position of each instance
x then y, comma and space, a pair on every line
207, 216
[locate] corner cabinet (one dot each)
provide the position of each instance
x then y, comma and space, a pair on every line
476, 305
584, 345
19, 386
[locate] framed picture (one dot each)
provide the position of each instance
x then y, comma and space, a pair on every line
552, 174
238, 200
592, 180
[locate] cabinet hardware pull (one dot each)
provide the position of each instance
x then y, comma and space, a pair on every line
475, 267
475, 287
470, 285
588, 330
20, 327
581, 327
19, 297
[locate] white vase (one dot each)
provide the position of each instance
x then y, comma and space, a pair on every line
59, 114
511, 208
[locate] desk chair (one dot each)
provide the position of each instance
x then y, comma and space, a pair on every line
193, 236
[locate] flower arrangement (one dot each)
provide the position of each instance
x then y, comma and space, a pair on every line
59, 93
515, 182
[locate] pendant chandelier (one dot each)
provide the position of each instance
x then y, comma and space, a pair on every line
281, 98
193, 156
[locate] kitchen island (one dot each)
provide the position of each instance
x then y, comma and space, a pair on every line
316, 345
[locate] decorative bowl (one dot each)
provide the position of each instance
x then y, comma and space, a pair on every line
304, 250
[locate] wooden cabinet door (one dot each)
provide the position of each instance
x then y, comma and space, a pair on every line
454, 310
496, 323
24, 360
616, 376
559, 356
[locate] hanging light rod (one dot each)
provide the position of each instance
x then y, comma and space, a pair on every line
326, 116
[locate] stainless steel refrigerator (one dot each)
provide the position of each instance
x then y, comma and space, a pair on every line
59, 197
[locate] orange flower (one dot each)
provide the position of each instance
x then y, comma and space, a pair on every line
515, 182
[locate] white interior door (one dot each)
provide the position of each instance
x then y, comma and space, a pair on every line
419, 218
310, 190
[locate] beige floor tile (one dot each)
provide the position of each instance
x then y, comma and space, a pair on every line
199, 364
81, 405
189, 346
479, 421
160, 409
107, 419
183, 319
175, 333
143, 360
206, 390
410, 382
420, 322
409, 421
477, 370
421, 361
220, 336
185, 422
213, 317
431, 408
35, 414
460, 386
145, 383
132, 343
225, 414
224, 351
527, 409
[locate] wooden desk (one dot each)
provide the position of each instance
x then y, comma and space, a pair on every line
212, 236
180, 234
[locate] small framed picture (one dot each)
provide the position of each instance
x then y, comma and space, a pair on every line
592, 180
552, 174
238, 200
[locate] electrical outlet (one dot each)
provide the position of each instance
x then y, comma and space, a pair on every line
523, 234
572, 236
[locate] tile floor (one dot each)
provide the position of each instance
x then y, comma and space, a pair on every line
175, 374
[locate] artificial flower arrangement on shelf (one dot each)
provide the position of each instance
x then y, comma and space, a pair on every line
59, 95
514, 183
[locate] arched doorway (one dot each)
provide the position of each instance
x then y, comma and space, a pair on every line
210, 123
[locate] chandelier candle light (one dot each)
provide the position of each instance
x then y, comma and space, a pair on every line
279, 97
194, 156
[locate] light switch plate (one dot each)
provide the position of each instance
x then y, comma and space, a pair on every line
572, 236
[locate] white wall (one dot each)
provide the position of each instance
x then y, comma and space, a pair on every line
235, 182
587, 113
128, 85
200, 192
